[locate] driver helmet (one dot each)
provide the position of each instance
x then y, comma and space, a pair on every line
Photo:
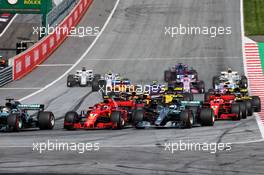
229, 70
1, 59
109, 73
6, 109
105, 107
83, 69
83, 113
155, 82
118, 77
133, 94
180, 66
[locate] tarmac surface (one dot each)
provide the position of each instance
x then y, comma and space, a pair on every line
134, 44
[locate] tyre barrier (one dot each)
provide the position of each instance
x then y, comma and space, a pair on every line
6, 76
31, 58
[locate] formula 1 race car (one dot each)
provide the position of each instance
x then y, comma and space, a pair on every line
183, 78
113, 113
225, 106
253, 103
3, 62
4, 17
82, 78
179, 69
15, 116
183, 114
230, 77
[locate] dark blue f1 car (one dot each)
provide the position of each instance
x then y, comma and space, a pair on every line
15, 116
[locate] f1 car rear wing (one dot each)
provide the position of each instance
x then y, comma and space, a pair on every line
32, 107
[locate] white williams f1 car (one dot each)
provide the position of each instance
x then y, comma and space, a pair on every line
81, 78
230, 77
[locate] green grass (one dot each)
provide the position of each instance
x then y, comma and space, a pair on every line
261, 53
254, 17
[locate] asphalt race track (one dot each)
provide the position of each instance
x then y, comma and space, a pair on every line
134, 44
20, 29
4, 23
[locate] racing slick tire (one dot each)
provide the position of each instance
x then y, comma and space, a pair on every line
70, 81
102, 84
95, 85
167, 76
207, 117
117, 119
194, 73
244, 82
186, 118
95, 78
14, 123
243, 109
71, 117
187, 96
46, 120
235, 109
249, 108
216, 81
201, 87
137, 116
256, 103
206, 96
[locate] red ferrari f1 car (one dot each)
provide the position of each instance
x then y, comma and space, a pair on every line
113, 113
225, 107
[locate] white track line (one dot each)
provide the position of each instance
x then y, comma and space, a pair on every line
8, 25
243, 36
27, 88
157, 59
80, 59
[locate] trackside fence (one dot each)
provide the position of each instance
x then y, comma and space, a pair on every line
6, 76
